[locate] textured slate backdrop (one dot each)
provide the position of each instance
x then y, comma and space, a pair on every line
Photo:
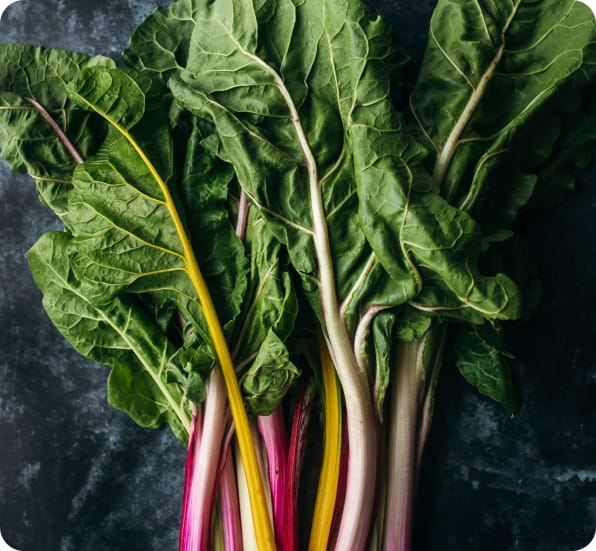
77, 475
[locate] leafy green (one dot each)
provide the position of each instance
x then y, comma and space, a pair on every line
339, 88
262, 73
266, 293
131, 235
487, 154
119, 335
237, 77
27, 140
270, 376
119, 250
117, 191
482, 360
382, 331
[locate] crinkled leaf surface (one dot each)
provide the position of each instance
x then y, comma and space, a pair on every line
270, 376
271, 298
482, 361
124, 211
120, 335
160, 44
497, 80
263, 72
27, 140
125, 227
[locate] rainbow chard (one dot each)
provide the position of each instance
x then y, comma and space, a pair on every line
299, 113
252, 154
118, 251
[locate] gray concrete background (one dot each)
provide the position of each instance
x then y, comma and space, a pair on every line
77, 475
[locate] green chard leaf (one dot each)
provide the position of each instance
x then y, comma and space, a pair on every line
160, 44
490, 156
120, 335
271, 297
270, 376
306, 107
125, 214
42, 132
482, 360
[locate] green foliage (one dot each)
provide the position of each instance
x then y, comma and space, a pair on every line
270, 376
502, 88
504, 105
119, 335
482, 360
28, 143
120, 207
127, 221
251, 85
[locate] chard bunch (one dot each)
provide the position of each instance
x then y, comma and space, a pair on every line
243, 202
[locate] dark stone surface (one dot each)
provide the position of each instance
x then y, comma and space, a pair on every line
77, 475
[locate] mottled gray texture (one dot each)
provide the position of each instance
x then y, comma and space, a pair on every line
93, 27
77, 475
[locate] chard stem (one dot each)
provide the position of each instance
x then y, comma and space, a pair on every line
194, 439
415, 374
199, 490
327, 490
70, 147
406, 388
273, 432
297, 446
241, 221
230, 509
249, 536
249, 541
